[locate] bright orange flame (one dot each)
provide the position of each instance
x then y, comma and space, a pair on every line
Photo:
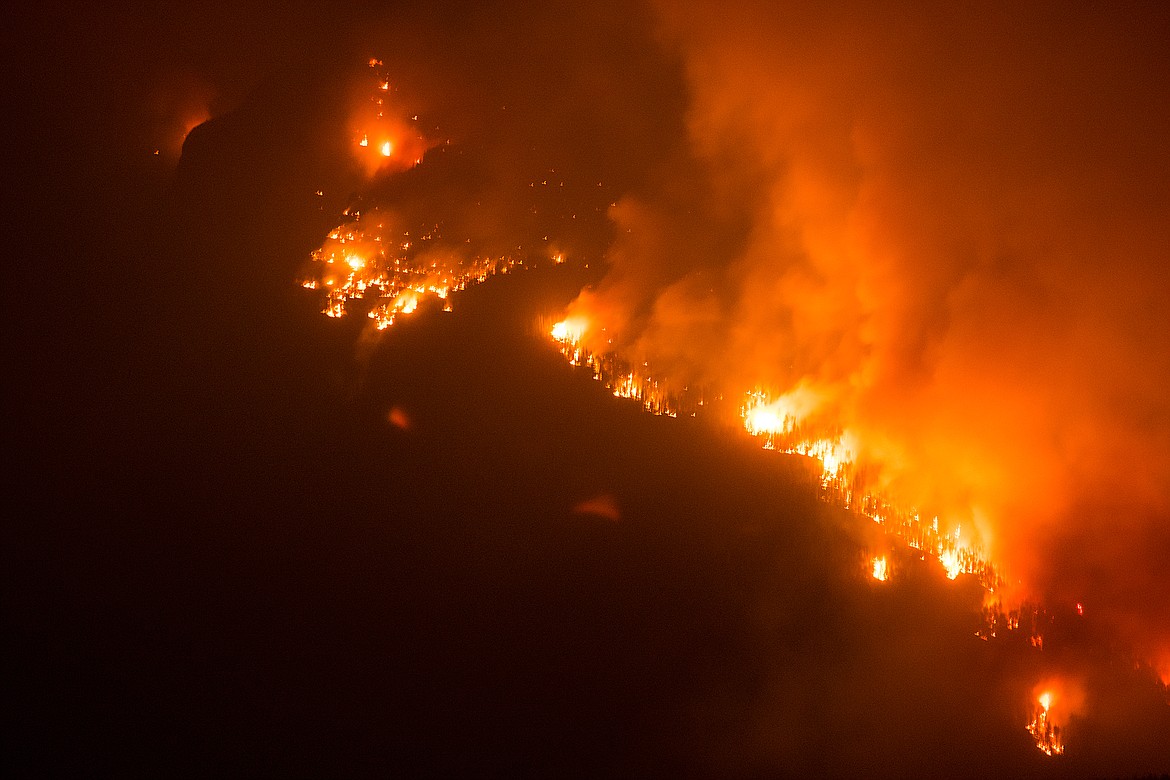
764, 419
1048, 736
762, 415
881, 571
365, 257
387, 137
1055, 701
951, 563
569, 330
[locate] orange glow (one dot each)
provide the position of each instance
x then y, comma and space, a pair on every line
783, 424
1055, 702
385, 135
178, 102
880, 568
569, 331
603, 506
367, 257
1047, 735
398, 417
951, 563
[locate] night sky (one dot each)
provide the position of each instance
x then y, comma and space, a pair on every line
247, 539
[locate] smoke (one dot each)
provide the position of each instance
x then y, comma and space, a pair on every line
952, 226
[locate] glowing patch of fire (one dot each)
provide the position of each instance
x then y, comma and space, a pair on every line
367, 257
779, 424
1047, 735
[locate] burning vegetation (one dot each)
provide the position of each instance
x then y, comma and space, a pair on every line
816, 315
371, 258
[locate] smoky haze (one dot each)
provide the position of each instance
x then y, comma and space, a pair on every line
951, 226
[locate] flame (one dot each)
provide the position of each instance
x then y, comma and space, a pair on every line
385, 134
1161, 666
951, 563
881, 570
1048, 736
569, 331
365, 258
764, 417
787, 424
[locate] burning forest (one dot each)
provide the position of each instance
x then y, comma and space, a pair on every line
834, 437
953, 372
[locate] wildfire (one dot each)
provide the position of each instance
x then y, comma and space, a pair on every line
568, 331
782, 424
368, 256
1048, 736
385, 136
373, 256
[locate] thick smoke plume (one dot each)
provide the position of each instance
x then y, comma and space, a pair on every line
952, 227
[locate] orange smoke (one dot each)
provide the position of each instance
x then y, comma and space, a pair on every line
946, 234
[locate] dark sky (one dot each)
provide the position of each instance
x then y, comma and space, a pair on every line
224, 559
